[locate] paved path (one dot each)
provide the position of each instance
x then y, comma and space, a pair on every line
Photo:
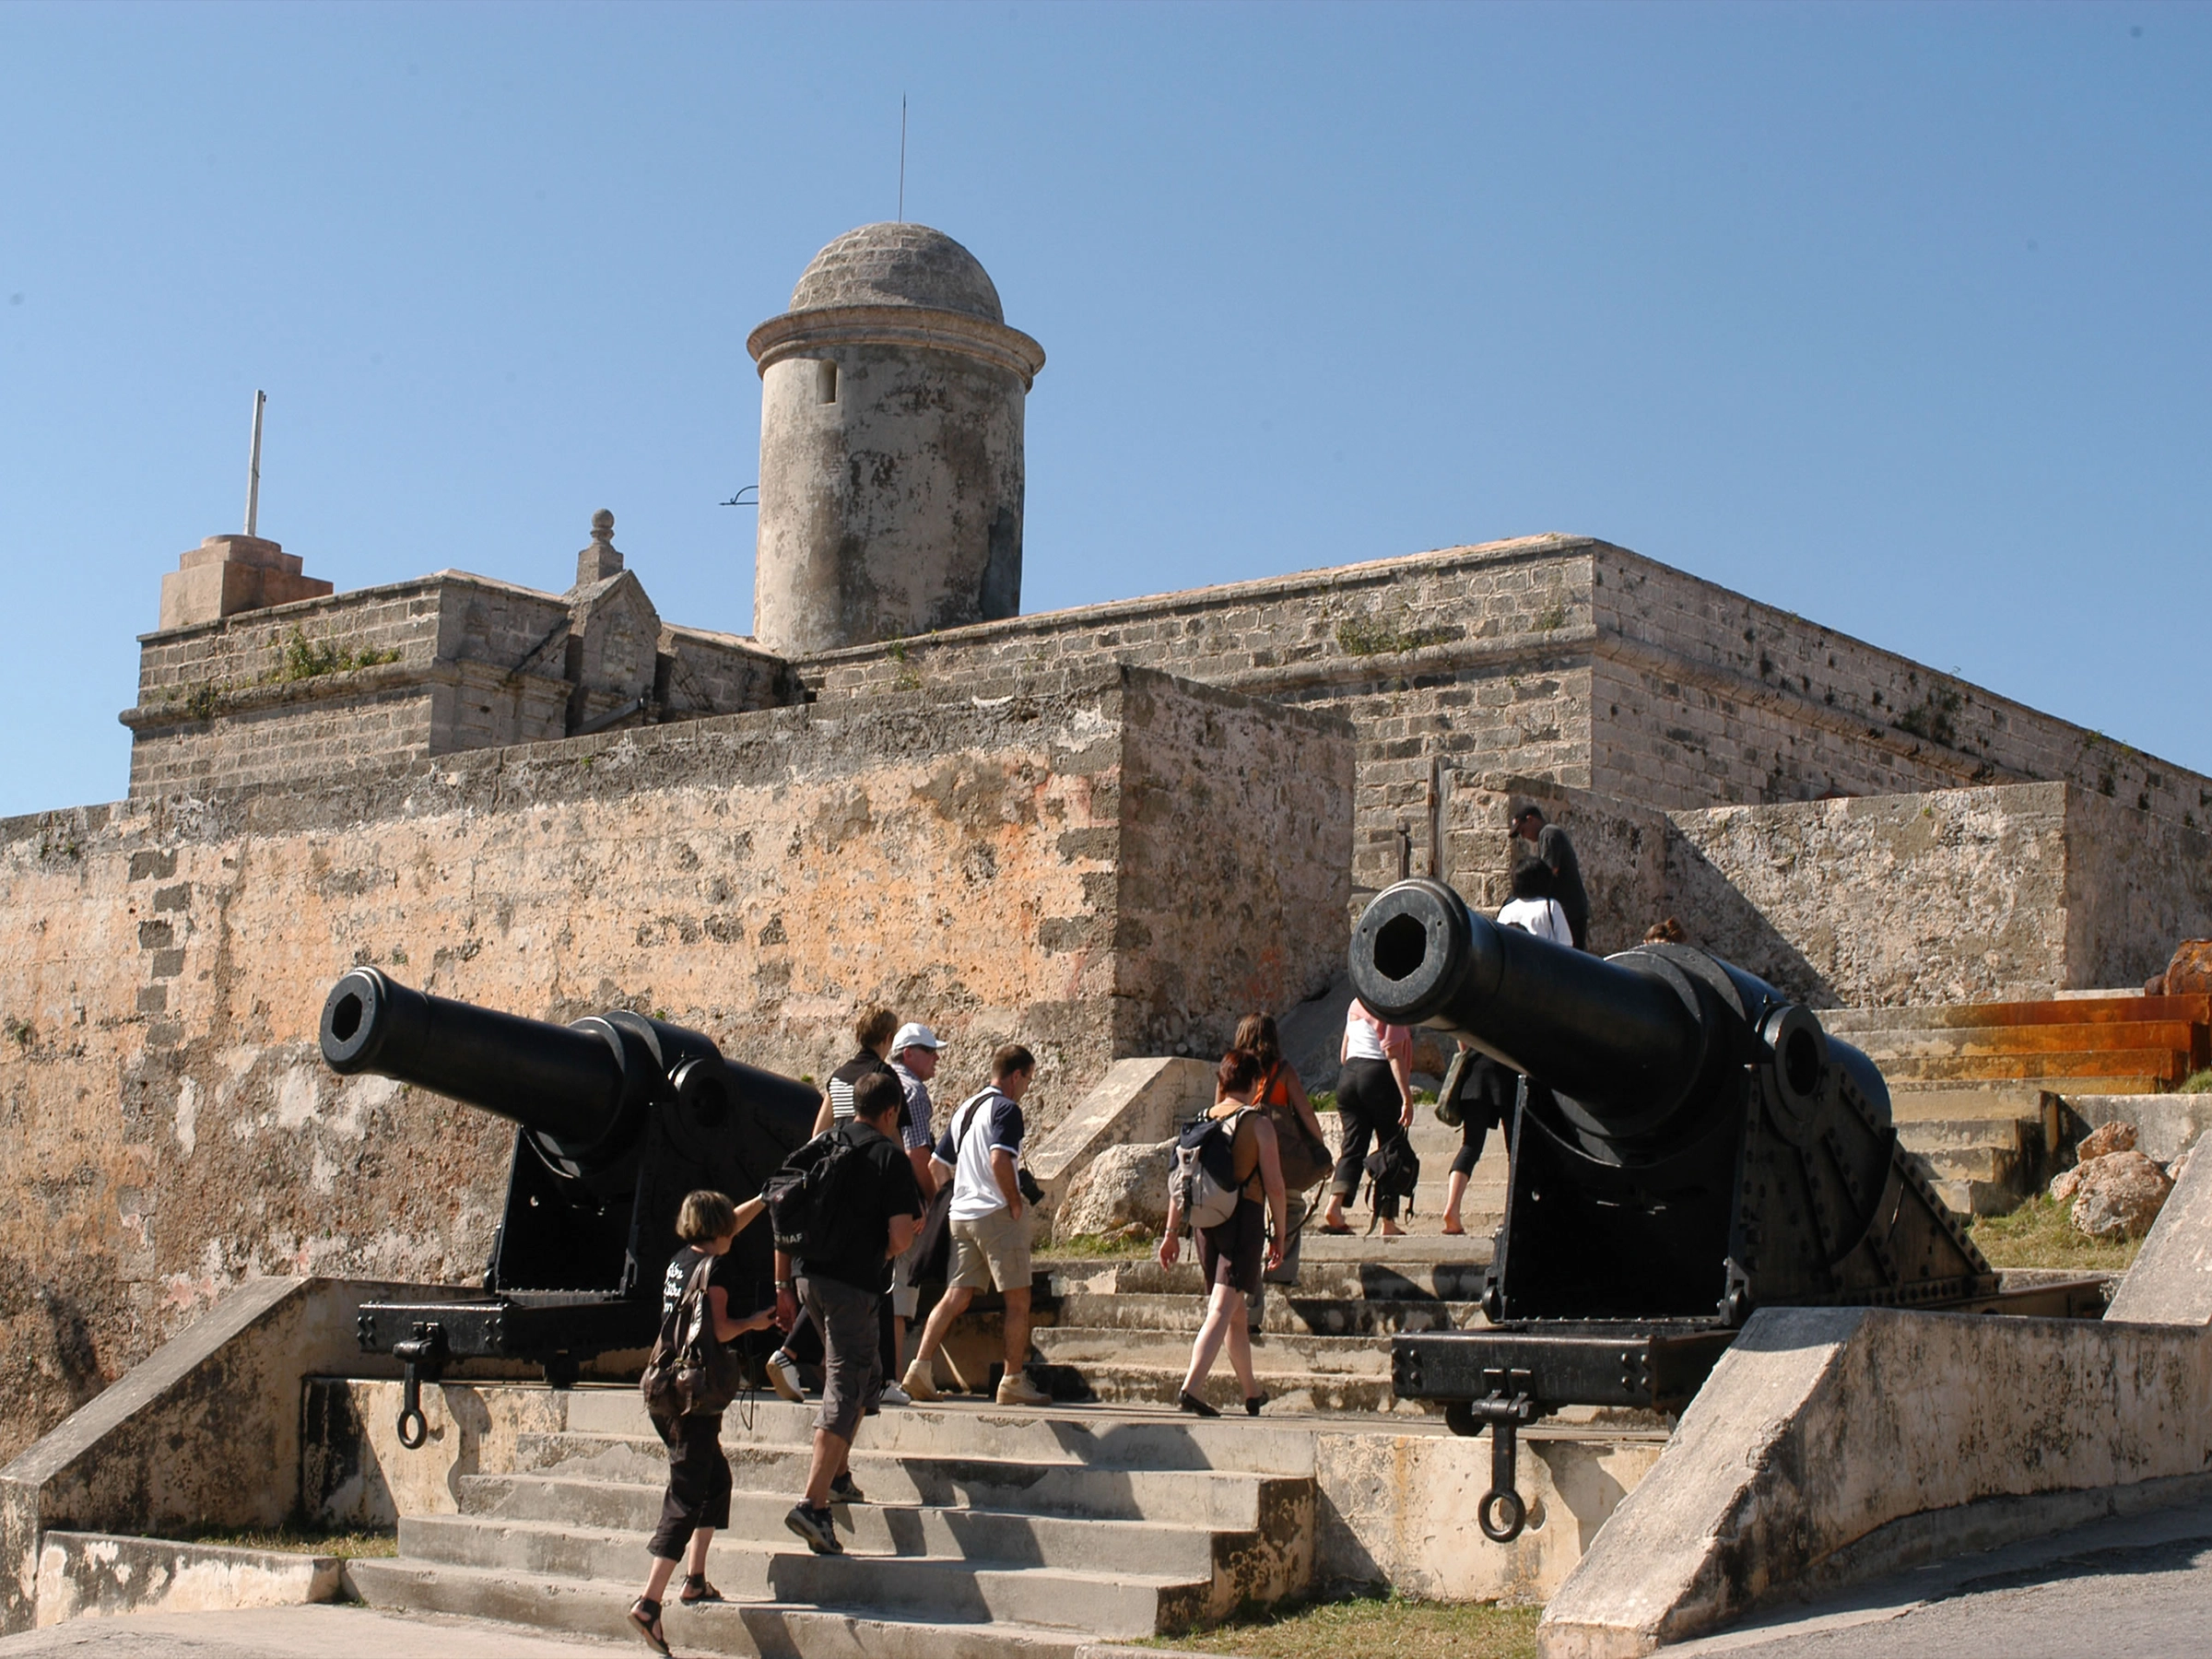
324, 1633
2139, 1588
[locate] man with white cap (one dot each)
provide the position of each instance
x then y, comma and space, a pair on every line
915, 1063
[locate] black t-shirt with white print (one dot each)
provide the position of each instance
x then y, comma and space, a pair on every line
723, 1273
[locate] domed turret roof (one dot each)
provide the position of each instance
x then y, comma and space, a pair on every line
899, 264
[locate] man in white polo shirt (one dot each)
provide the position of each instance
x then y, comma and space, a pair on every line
990, 1225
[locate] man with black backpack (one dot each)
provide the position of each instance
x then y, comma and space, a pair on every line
843, 1205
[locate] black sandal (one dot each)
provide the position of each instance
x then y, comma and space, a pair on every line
645, 1619
1254, 1402
1197, 1408
697, 1590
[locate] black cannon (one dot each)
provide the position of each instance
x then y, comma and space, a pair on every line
619, 1116
1688, 1145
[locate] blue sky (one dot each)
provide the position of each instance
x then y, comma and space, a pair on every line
1894, 316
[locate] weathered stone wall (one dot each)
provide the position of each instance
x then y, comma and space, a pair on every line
1955, 896
1706, 697
432, 667
167, 1128
1558, 658
1475, 658
1230, 889
2137, 884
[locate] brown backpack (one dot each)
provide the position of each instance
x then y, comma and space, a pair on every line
1303, 1155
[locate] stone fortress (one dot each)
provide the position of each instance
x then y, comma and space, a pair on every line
1107, 831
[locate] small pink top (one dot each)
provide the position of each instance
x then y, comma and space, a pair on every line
1367, 1038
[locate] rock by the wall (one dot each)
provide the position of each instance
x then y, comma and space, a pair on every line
2118, 1195
1124, 1186
167, 1128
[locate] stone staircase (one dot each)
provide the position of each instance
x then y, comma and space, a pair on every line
1980, 1092
1038, 1532
1121, 1330
2104, 1044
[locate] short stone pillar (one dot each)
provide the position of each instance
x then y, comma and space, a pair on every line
226, 575
599, 560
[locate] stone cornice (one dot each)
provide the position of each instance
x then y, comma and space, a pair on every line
795, 333
340, 685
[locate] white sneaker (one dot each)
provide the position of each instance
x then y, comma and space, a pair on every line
1016, 1389
783, 1377
895, 1395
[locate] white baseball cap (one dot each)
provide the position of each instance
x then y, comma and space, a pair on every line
914, 1036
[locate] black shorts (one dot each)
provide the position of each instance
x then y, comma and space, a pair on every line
1234, 1252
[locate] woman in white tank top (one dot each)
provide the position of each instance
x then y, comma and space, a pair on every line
1375, 1101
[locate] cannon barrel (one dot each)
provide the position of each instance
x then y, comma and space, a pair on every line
567, 1082
1624, 1038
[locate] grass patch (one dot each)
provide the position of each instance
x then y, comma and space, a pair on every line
1322, 1100
346, 1544
300, 658
1373, 636
1123, 1244
2039, 1235
1397, 1626
2196, 1083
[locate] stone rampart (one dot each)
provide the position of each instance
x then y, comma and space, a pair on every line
1042, 865
1559, 658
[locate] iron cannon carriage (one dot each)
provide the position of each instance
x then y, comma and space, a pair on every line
1688, 1145
617, 1116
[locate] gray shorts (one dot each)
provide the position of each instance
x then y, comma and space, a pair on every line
852, 1358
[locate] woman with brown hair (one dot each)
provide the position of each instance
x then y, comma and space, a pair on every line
1234, 1254
1303, 1149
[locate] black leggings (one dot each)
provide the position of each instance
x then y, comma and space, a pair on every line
698, 1484
1486, 1097
1369, 1103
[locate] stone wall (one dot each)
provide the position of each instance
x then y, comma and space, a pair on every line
2137, 884
1016, 867
432, 667
1564, 659
1704, 697
1997, 892
1956, 896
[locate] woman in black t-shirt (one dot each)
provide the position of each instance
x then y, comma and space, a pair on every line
698, 1499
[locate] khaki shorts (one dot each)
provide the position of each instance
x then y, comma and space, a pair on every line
991, 1253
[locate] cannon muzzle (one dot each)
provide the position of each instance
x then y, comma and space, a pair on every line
561, 1081
1625, 1037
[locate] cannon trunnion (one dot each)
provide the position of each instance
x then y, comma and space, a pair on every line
617, 1116
1688, 1145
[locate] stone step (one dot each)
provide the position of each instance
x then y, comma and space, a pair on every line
1230, 1499
1296, 1392
2102, 1009
1284, 1314
2027, 1041
1932, 1136
1110, 1437
2024, 1103
1080, 1349
1420, 1245
1458, 1280
1988, 1166
785, 1630
2124, 1072
627, 1511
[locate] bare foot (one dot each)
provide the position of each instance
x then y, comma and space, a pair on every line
1391, 1230
1453, 1229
